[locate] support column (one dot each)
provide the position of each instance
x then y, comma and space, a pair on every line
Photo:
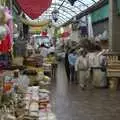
114, 26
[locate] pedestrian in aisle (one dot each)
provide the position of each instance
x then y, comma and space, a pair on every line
81, 66
67, 64
72, 57
99, 68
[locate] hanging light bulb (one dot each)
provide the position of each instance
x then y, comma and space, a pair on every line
55, 14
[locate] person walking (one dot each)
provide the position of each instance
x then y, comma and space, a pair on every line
67, 64
82, 66
72, 57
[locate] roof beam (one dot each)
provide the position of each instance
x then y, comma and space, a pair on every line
60, 13
61, 4
69, 13
60, 17
83, 3
92, 8
73, 6
94, 1
65, 8
61, 20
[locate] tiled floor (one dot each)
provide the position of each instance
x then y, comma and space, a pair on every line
71, 103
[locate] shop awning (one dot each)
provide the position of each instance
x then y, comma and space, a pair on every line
34, 8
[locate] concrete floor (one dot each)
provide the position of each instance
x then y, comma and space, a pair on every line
71, 103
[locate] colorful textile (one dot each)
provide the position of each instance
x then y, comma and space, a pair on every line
5, 45
34, 8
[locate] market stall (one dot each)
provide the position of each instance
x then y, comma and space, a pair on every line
20, 92
6, 36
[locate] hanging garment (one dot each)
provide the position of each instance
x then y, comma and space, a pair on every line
8, 15
34, 8
9, 20
5, 44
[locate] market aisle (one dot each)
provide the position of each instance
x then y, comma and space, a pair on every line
70, 103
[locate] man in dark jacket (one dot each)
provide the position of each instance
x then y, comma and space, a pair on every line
67, 64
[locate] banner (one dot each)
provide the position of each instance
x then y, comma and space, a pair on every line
34, 8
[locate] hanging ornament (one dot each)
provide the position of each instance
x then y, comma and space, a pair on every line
72, 2
55, 15
34, 8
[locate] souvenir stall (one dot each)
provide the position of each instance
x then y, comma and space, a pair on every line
35, 62
6, 36
21, 93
